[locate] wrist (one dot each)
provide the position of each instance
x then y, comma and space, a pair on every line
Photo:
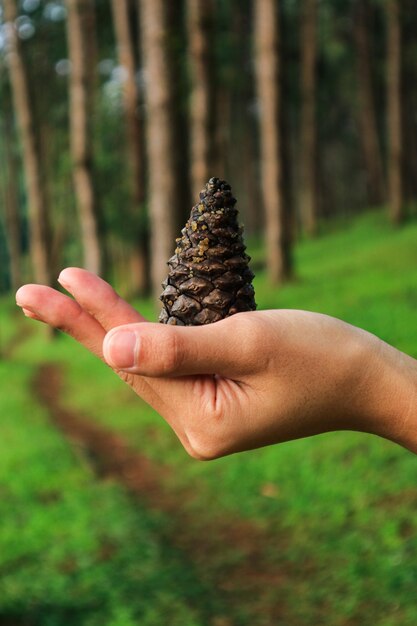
390, 395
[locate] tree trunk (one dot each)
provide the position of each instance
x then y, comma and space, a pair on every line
409, 25
135, 145
367, 113
92, 49
253, 215
395, 155
81, 116
12, 217
308, 147
242, 125
410, 140
222, 132
268, 79
200, 21
36, 192
165, 182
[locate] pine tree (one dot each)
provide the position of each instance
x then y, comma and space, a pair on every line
39, 226
81, 102
273, 180
395, 140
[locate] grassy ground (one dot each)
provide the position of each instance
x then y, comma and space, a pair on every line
73, 549
345, 503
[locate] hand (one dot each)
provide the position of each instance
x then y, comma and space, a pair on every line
248, 381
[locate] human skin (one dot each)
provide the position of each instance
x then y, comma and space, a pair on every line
251, 380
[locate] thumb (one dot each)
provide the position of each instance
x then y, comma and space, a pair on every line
163, 350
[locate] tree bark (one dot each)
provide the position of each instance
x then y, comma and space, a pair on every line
40, 236
12, 216
395, 139
253, 215
165, 182
92, 49
81, 116
222, 132
135, 145
268, 79
308, 147
200, 20
409, 25
410, 140
367, 113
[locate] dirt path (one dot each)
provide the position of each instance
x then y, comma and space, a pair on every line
229, 553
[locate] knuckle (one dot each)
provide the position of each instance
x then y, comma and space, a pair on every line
171, 353
159, 352
110, 295
250, 339
68, 323
254, 332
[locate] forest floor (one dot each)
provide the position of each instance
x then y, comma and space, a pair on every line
105, 520
146, 480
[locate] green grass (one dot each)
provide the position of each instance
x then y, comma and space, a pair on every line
75, 550
344, 502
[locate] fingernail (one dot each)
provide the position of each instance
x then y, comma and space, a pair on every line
18, 299
25, 308
62, 280
31, 314
121, 349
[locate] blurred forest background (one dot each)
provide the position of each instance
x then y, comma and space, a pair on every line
114, 115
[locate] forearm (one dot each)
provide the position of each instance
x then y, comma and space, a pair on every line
389, 396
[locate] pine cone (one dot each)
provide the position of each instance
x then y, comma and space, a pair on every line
209, 277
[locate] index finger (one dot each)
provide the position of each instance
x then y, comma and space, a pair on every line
59, 311
99, 298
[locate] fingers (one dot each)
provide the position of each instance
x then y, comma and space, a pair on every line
98, 298
54, 308
228, 348
59, 311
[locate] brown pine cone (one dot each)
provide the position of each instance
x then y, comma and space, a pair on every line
209, 276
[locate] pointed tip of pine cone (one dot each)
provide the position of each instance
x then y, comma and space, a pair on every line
217, 193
